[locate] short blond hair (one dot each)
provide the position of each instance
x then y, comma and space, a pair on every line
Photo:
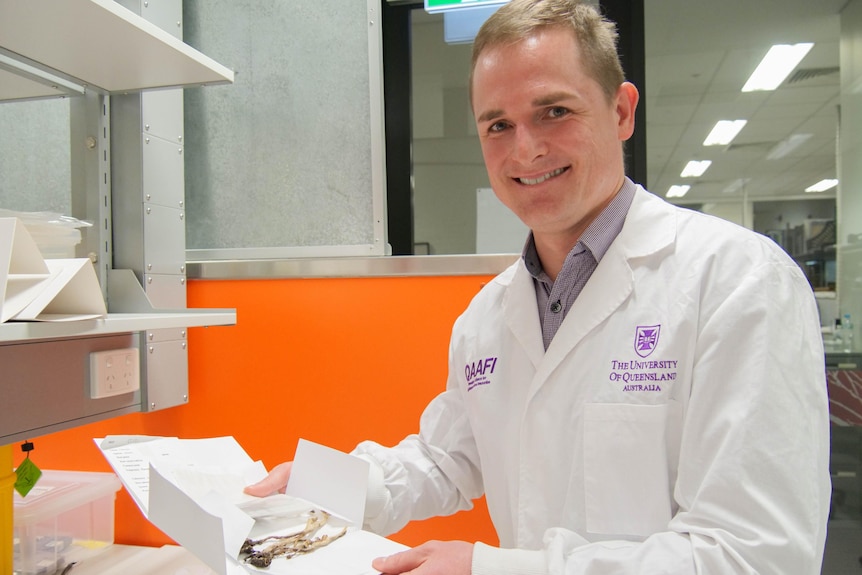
596, 36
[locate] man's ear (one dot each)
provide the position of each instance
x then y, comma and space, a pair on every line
626, 102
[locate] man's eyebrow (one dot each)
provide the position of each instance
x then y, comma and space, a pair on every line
553, 98
490, 115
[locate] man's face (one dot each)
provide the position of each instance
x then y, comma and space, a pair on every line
552, 142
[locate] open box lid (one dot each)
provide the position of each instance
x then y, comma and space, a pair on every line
59, 491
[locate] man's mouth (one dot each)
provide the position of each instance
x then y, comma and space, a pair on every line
540, 179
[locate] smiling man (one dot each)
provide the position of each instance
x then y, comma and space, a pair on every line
644, 390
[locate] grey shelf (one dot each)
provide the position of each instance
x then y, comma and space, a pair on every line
114, 323
95, 45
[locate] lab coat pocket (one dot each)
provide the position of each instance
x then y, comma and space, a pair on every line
626, 481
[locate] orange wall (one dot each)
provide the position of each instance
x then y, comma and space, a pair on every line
334, 361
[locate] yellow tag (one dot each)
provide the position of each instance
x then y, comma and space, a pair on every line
27, 475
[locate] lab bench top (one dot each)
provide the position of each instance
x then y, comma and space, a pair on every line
135, 560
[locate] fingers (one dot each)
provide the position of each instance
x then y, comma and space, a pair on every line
431, 558
399, 562
406, 561
275, 482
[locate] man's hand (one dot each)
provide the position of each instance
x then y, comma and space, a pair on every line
276, 481
432, 558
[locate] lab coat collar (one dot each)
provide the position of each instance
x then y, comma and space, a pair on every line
650, 227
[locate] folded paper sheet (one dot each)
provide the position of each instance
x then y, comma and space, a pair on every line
23, 271
192, 490
35, 289
71, 293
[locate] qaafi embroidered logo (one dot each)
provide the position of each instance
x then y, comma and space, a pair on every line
479, 372
646, 339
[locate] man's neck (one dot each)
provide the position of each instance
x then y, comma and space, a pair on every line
553, 248
552, 252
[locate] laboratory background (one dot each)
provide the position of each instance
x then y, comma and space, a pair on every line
289, 209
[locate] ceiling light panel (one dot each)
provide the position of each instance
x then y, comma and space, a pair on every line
735, 185
779, 61
677, 191
787, 145
724, 132
822, 185
695, 168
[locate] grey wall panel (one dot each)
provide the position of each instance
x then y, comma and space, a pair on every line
35, 172
164, 238
166, 365
162, 112
166, 291
40, 396
163, 184
283, 156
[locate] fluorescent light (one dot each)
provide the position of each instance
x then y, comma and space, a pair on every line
724, 132
776, 66
677, 191
735, 185
787, 145
822, 186
695, 168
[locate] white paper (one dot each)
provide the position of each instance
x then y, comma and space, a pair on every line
35, 289
336, 482
187, 523
192, 490
72, 292
131, 462
196, 466
23, 272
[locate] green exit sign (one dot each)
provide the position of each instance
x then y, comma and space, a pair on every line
432, 6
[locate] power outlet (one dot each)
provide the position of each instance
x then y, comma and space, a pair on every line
114, 372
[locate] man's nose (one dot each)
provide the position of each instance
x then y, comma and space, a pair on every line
529, 144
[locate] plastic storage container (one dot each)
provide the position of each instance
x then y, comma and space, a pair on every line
66, 517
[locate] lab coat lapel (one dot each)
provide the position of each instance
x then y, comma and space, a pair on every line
521, 313
603, 294
649, 228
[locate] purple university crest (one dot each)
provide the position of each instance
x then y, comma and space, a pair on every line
646, 338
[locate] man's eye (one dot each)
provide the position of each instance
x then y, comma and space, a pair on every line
557, 112
497, 127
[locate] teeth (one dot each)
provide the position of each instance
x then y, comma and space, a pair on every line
540, 179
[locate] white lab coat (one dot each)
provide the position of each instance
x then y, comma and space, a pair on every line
677, 424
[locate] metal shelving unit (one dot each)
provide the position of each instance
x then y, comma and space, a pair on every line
91, 50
